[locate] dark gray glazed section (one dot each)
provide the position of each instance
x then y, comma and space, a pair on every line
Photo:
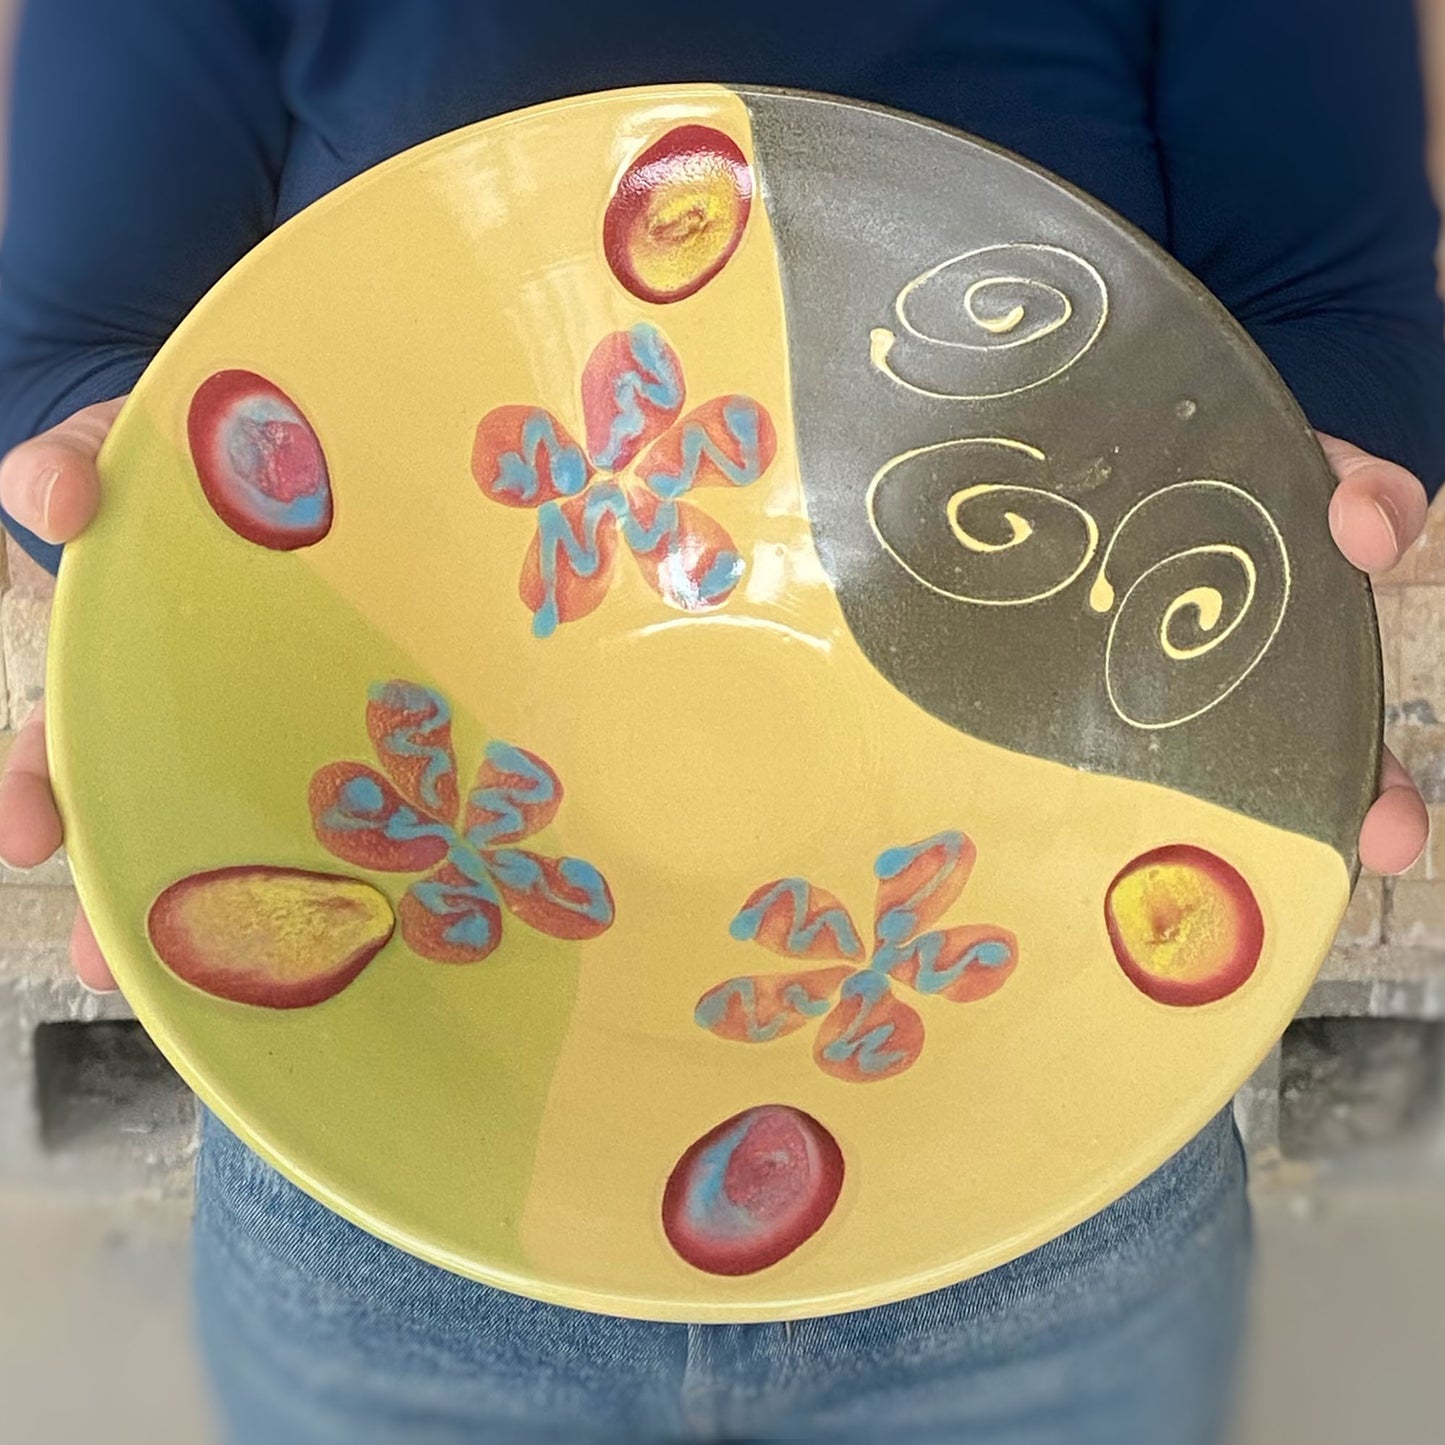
861, 202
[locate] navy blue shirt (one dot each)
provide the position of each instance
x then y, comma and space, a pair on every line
1276, 147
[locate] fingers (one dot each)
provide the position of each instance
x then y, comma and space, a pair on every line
29, 821
1378, 509
49, 483
30, 832
1397, 827
86, 958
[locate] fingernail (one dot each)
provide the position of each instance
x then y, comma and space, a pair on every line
1386, 508
1335, 512
38, 493
91, 989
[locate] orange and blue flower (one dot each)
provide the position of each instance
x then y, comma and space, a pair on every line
412, 819
867, 1031
628, 486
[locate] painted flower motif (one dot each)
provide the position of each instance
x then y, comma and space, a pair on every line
412, 819
868, 1032
642, 458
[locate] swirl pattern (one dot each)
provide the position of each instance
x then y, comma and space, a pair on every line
968, 520
1006, 543
1210, 571
1198, 619
992, 322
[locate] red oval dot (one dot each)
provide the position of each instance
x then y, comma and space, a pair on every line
1184, 924
259, 461
753, 1189
678, 213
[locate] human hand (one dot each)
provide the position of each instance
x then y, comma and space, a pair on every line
1377, 511
50, 485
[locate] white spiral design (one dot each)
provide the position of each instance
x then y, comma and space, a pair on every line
1012, 543
1194, 624
992, 322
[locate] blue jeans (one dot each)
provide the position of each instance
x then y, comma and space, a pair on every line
1122, 1332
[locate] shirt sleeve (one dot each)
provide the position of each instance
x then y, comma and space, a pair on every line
146, 141
1292, 141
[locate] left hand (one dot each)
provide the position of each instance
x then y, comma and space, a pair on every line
1377, 511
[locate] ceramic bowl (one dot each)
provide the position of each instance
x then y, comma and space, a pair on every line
713, 704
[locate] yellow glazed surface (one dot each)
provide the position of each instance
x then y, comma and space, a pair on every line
517, 1119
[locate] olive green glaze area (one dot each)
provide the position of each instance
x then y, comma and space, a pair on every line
1067, 506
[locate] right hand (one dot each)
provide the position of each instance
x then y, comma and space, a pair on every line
49, 484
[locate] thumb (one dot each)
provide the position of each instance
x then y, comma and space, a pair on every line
49, 483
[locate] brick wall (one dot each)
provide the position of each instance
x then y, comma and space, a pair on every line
99, 1113
1393, 941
